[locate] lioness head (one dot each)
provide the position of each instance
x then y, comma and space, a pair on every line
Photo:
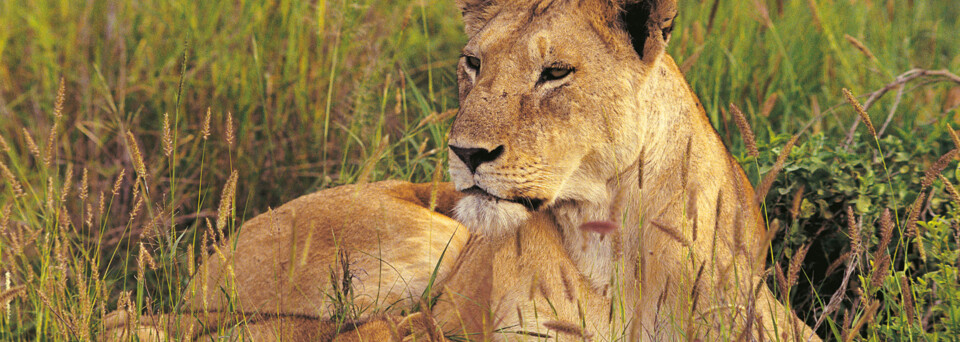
549, 103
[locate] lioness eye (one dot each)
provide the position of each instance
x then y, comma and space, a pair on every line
473, 62
551, 74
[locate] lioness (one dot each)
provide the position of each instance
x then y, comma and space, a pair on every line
599, 200
276, 278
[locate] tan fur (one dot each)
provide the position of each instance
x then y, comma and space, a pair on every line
621, 139
280, 285
280, 274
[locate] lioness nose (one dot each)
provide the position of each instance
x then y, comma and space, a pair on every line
473, 157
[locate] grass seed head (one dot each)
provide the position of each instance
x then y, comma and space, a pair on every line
640, 174
520, 316
566, 328
117, 183
857, 44
150, 228
101, 207
745, 131
224, 212
918, 240
422, 147
865, 319
5, 219
6, 287
204, 255
796, 202
846, 324
9, 293
205, 129
31, 144
230, 137
670, 231
13, 238
881, 267
88, 217
125, 304
954, 136
144, 260
860, 111
86, 306
781, 281
951, 190
853, 230
914, 216
48, 156
136, 190
771, 176
768, 105
370, 164
209, 232
167, 136
837, 262
907, 299
937, 168
137, 206
84, 186
67, 183
11, 180
886, 230
50, 197
3, 145
795, 264
61, 96
58, 116
138, 164
64, 217
60, 251
191, 260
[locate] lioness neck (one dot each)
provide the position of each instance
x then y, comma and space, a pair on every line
667, 201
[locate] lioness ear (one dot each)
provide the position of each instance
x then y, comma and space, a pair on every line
474, 14
649, 23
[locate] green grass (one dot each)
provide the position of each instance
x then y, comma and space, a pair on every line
334, 92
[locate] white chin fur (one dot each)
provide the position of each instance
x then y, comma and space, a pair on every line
488, 216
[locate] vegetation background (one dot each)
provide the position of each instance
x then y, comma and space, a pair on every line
126, 125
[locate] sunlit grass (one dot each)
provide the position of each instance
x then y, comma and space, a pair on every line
304, 96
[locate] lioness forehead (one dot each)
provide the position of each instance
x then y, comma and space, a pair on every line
509, 22
539, 7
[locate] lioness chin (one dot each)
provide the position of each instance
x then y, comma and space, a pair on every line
571, 116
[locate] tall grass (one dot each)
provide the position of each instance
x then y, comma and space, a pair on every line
161, 102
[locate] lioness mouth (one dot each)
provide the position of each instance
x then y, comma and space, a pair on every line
532, 204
